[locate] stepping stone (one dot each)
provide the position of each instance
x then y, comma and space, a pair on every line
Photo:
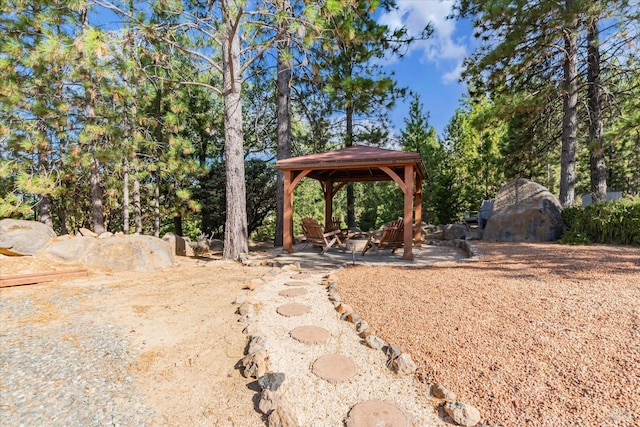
296, 283
310, 334
334, 368
377, 413
302, 275
293, 292
293, 309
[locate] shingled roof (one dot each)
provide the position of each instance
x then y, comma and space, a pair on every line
355, 163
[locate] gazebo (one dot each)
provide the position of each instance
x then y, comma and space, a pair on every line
334, 169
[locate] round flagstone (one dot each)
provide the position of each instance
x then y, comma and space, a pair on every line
374, 413
310, 334
296, 283
293, 292
334, 368
293, 309
302, 275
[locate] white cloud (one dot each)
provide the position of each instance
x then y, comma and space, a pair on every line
443, 49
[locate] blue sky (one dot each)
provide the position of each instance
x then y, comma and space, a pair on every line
431, 67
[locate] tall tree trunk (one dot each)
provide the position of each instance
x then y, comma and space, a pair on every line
156, 205
137, 206
44, 209
235, 232
97, 215
45, 205
96, 198
62, 216
596, 150
284, 120
125, 196
351, 195
569, 110
177, 225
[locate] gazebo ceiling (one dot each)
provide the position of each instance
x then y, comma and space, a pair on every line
355, 163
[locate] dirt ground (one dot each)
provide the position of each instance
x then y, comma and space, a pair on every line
531, 334
180, 324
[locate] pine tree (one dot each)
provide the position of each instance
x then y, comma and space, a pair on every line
358, 89
419, 137
528, 49
34, 104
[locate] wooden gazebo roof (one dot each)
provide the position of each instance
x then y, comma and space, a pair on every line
336, 168
353, 164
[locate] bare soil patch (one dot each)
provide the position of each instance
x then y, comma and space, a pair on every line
179, 324
531, 334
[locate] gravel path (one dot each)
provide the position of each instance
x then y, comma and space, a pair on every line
315, 401
66, 374
531, 334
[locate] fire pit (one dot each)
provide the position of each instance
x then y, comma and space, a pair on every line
356, 243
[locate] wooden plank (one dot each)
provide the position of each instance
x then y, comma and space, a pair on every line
30, 279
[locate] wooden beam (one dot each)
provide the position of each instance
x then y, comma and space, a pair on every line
30, 279
408, 213
417, 234
328, 203
401, 183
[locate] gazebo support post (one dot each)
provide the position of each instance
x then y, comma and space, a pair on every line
328, 202
408, 212
417, 233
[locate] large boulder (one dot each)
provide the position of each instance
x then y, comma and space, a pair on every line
524, 212
20, 237
454, 231
129, 253
179, 245
69, 249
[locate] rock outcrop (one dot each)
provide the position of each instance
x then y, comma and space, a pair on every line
20, 237
524, 212
117, 252
130, 253
70, 249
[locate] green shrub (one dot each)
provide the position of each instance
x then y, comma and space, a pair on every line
616, 222
573, 237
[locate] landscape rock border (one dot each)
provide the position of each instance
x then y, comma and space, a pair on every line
275, 406
461, 413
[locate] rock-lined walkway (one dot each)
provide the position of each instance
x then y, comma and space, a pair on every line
330, 376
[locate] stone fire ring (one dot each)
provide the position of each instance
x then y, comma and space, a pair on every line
296, 283
293, 309
334, 368
377, 413
310, 334
293, 292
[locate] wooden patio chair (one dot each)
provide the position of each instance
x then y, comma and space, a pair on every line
335, 224
392, 238
479, 218
314, 235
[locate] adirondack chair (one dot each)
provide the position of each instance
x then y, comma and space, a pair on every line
479, 218
313, 233
334, 224
392, 238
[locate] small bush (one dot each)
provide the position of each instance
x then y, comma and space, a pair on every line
572, 237
616, 222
